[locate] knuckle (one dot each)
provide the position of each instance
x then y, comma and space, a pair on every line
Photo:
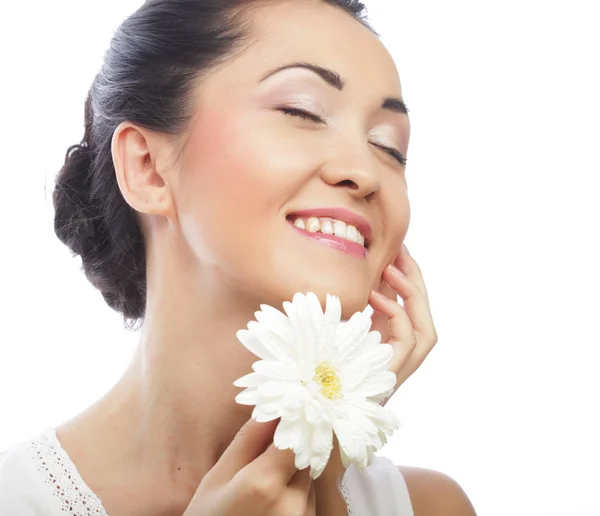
293, 507
433, 337
263, 490
397, 309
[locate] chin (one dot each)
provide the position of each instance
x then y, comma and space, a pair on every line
353, 295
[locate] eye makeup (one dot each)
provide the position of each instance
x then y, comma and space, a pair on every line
303, 93
304, 96
389, 141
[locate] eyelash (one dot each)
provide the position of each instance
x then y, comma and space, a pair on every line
396, 154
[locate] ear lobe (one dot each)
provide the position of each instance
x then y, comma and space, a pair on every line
135, 153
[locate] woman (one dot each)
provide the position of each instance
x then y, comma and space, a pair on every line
224, 142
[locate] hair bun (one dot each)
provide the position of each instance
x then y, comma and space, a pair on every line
73, 219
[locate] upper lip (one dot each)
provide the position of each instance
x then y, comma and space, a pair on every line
344, 214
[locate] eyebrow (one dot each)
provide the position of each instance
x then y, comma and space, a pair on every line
332, 78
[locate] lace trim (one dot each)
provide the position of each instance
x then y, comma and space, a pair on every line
77, 498
62, 477
344, 490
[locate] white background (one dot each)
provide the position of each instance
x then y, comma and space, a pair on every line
503, 175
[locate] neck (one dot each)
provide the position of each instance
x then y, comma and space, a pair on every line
172, 414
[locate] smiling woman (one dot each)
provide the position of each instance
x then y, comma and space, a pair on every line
235, 153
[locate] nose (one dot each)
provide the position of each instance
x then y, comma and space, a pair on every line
354, 170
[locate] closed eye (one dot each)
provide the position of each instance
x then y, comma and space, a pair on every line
290, 111
301, 113
395, 153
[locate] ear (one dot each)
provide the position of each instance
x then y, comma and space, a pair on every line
136, 152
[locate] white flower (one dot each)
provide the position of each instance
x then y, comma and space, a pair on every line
319, 375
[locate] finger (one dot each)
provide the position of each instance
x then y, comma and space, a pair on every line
311, 507
402, 337
296, 497
408, 265
414, 302
301, 481
387, 291
279, 465
248, 444
416, 309
380, 322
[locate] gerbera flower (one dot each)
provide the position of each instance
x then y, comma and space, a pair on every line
320, 375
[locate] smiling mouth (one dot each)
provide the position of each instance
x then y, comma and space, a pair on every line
329, 226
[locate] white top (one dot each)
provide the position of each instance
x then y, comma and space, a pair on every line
38, 478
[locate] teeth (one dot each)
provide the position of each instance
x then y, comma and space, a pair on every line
313, 225
299, 223
331, 227
327, 227
339, 229
352, 234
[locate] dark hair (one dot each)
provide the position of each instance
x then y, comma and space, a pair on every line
154, 58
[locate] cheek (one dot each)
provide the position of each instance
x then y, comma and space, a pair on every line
238, 174
242, 158
396, 217
220, 161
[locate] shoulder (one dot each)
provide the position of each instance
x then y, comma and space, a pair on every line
433, 493
22, 487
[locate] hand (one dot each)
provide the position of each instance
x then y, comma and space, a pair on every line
410, 332
254, 478
409, 329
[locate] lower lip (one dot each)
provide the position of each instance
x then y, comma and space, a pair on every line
338, 243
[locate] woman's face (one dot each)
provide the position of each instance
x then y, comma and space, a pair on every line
253, 166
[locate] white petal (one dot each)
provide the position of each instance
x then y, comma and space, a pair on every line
248, 397
329, 325
348, 435
360, 428
313, 309
310, 316
367, 365
333, 308
266, 411
275, 320
277, 370
289, 434
377, 358
370, 455
301, 449
278, 388
351, 335
312, 444
253, 343
250, 380
345, 459
322, 439
279, 347
378, 385
317, 465
313, 412
261, 415
302, 458
294, 399
305, 314
384, 418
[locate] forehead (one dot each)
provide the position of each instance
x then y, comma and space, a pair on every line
321, 33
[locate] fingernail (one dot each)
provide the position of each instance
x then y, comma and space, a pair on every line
396, 270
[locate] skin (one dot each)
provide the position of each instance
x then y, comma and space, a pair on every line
218, 245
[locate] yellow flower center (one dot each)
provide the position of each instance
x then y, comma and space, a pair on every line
326, 376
